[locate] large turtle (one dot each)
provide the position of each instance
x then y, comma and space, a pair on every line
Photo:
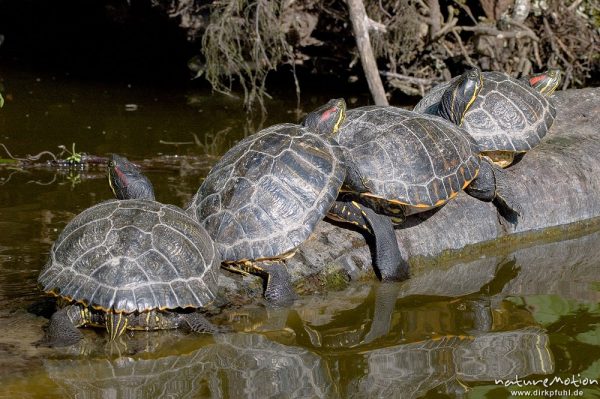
266, 195
412, 162
508, 117
131, 263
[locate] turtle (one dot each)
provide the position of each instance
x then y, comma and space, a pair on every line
509, 117
266, 194
130, 263
412, 162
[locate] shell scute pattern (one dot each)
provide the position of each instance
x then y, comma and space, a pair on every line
507, 115
417, 160
133, 255
265, 196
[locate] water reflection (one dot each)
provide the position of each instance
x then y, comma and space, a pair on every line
417, 368
234, 366
252, 366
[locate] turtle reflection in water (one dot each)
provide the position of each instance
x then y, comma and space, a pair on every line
234, 366
131, 263
416, 368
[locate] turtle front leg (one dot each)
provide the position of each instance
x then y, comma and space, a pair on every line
388, 262
62, 330
277, 283
492, 184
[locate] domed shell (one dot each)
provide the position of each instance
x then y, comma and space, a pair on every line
414, 159
133, 255
508, 115
267, 193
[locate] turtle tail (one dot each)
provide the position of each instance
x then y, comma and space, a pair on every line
116, 324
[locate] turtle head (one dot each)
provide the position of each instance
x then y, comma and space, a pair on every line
546, 82
458, 97
126, 181
328, 118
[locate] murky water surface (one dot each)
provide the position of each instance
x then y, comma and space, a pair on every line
529, 315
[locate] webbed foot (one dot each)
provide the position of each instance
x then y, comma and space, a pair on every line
61, 330
278, 285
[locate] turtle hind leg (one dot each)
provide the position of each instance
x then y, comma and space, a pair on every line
492, 184
387, 262
62, 330
278, 288
196, 322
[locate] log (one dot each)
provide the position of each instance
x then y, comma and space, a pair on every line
557, 184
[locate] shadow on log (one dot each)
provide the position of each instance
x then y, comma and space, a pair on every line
557, 184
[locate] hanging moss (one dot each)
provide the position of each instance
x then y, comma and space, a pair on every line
243, 42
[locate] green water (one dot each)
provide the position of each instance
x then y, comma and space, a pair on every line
531, 313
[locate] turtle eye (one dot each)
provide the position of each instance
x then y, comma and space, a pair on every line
111, 164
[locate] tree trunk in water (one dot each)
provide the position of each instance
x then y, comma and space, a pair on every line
360, 24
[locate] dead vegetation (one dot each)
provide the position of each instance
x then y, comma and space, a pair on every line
416, 43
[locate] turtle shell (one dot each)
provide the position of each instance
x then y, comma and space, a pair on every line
410, 158
267, 193
133, 255
508, 114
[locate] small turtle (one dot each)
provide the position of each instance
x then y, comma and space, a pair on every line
509, 116
412, 162
131, 263
266, 195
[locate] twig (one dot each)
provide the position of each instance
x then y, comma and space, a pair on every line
536, 54
445, 29
435, 16
383, 10
553, 44
411, 79
467, 10
360, 25
175, 142
462, 48
29, 157
39, 183
499, 34
523, 27
574, 5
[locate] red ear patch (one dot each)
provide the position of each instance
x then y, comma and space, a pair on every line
122, 177
536, 79
326, 115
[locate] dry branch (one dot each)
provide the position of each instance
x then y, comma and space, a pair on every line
360, 24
